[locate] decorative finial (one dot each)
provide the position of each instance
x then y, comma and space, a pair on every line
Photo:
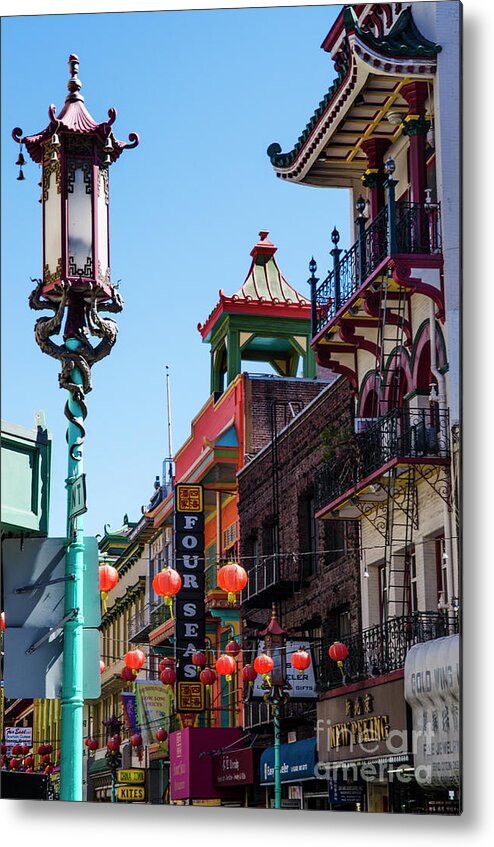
335, 236
263, 234
74, 84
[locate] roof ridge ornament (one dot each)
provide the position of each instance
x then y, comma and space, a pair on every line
74, 84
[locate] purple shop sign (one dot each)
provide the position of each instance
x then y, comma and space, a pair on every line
234, 768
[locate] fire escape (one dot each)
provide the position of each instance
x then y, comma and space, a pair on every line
364, 302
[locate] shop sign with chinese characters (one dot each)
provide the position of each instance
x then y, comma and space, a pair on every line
366, 722
189, 603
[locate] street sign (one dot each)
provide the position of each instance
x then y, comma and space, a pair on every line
77, 504
38, 564
131, 776
131, 793
34, 589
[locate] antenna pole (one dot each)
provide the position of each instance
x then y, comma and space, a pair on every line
169, 422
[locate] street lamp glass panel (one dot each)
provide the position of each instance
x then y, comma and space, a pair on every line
102, 211
52, 221
80, 217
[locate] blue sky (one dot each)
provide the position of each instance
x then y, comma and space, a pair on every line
207, 91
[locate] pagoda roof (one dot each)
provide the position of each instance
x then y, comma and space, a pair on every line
74, 118
359, 56
265, 291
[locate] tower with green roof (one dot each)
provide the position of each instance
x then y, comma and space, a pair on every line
266, 320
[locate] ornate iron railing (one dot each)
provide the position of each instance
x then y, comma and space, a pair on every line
381, 649
269, 573
160, 614
416, 433
416, 230
139, 624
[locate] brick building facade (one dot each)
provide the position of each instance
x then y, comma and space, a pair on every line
309, 568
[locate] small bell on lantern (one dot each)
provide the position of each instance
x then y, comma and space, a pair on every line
55, 141
108, 145
21, 175
54, 156
20, 160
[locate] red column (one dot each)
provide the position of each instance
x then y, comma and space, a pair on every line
416, 127
374, 149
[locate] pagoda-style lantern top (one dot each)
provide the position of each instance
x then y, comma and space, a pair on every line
75, 153
275, 646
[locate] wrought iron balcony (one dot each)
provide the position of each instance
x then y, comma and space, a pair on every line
273, 577
381, 649
140, 625
414, 230
400, 435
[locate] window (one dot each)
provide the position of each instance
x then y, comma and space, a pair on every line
413, 600
383, 593
308, 541
334, 540
344, 623
441, 567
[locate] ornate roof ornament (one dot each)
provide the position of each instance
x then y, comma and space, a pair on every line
403, 51
75, 118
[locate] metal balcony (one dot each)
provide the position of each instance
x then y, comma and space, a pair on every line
400, 437
274, 577
415, 230
382, 648
140, 625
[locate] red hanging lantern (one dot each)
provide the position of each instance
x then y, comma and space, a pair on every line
45, 760
263, 664
48, 748
232, 578
16, 750
338, 652
136, 739
300, 660
14, 764
167, 662
25, 749
167, 583
232, 648
208, 676
108, 578
249, 674
161, 735
113, 744
225, 666
29, 761
3, 749
48, 769
91, 744
41, 750
128, 674
168, 676
29, 770
102, 666
199, 658
134, 659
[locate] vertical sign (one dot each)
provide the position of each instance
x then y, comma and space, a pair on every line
189, 603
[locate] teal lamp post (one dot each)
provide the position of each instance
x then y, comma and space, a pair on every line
74, 153
275, 646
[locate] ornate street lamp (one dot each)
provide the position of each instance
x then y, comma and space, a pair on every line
275, 646
74, 152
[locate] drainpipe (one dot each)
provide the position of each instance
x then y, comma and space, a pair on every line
448, 520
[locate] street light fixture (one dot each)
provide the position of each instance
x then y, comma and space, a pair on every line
74, 153
278, 686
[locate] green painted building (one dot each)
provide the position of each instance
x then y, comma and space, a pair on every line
26, 465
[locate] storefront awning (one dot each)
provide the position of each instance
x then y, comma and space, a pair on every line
297, 762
